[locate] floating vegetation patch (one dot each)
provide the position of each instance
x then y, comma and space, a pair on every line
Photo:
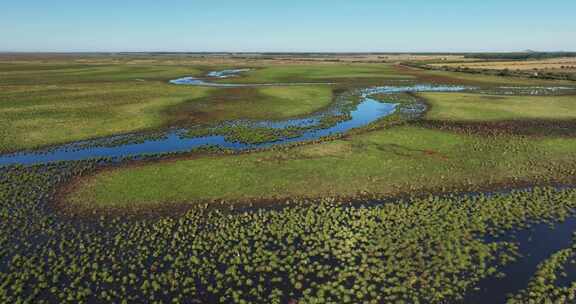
428, 250
553, 282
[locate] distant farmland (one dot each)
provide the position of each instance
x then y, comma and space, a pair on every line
566, 63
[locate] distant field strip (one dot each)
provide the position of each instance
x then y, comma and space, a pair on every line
555, 63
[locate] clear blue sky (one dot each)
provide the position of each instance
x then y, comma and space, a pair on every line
295, 25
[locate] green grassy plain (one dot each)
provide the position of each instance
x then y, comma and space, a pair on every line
57, 101
33, 116
45, 104
341, 73
41, 115
387, 162
72, 72
477, 107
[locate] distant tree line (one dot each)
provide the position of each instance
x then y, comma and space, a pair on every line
538, 74
520, 55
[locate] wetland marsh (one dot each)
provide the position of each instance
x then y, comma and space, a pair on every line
253, 182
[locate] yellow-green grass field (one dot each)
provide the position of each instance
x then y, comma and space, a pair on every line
340, 73
64, 100
33, 116
476, 107
71, 72
45, 104
43, 115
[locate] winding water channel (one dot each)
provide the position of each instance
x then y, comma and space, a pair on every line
176, 140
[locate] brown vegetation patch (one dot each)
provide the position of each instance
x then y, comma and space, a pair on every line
427, 77
404, 151
538, 128
214, 107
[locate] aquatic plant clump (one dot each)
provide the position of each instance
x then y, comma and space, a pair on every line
428, 250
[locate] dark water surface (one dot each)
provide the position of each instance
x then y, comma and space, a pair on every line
536, 244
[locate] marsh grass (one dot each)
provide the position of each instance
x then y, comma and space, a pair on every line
265, 103
430, 249
480, 107
339, 73
385, 162
427, 250
44, 115
52, 103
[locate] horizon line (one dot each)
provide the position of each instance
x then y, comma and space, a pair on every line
276, 52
